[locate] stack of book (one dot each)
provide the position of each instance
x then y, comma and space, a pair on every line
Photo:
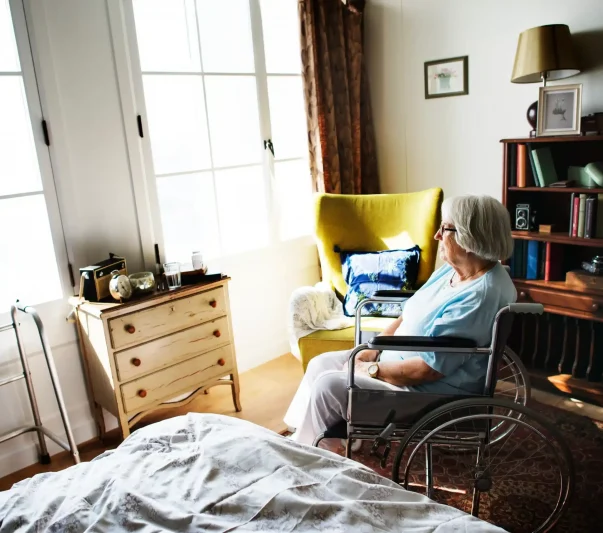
583, 216
536, 260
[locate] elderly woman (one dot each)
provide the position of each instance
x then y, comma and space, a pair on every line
460, 299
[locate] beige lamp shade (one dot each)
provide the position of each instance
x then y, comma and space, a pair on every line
544, 50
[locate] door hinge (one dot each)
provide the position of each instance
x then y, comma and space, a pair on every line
268, 144
45, 132
71, 276
139, 124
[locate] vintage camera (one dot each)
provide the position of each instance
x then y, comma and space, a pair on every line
522, 217
595, 266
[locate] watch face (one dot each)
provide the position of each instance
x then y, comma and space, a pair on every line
373, 370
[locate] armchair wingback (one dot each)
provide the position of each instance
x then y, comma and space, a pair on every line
369, 223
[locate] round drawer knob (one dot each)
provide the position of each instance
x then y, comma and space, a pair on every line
595, 307
217, 333
213, 303
221, 362
142, 393
130, 328
522, 295
136, 361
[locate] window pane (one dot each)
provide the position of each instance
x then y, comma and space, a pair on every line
188, 216
9, 60
225, 29
294, 197
242, 209
167, 35
287, 115
233, 120
19, 171
29, 269
176, 116
280, 23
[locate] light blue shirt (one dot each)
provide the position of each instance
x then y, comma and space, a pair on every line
466, 310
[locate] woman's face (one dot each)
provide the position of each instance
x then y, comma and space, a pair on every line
450, 250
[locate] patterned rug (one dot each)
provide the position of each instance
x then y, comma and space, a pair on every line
521, 502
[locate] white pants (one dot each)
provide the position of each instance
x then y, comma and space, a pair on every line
322, 397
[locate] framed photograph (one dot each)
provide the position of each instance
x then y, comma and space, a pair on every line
447, 77
559, 109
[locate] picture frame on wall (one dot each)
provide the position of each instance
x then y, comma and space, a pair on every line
559, 110
447, 77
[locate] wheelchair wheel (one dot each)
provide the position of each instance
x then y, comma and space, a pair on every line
522, 483
513, 384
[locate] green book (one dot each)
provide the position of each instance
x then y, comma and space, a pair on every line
545, 167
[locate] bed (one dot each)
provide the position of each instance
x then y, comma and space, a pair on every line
203, 472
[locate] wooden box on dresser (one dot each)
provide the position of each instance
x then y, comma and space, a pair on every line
562, 349
139, 355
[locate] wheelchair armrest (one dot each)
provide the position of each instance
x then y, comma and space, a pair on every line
394, 294
423, 344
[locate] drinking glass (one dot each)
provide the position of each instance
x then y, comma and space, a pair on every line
172, 275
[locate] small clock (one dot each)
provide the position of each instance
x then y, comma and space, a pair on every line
120, 286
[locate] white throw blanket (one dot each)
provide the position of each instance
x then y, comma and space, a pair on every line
312, 309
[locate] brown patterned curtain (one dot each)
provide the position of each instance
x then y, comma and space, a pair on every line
340, 123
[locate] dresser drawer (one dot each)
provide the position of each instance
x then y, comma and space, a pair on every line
570, 301
148, 324
171, 349
176, 379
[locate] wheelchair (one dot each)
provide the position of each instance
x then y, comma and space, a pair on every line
479, 453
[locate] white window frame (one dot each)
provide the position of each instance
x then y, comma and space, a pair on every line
130, 80
23, 36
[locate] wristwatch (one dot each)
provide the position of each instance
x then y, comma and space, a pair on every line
373, 370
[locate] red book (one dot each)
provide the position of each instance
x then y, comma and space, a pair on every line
575, 215
552, 263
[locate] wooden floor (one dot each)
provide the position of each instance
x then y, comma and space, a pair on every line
266, 392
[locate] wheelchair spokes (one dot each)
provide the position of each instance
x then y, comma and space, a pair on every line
530, 472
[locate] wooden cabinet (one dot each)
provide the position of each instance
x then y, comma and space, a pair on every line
140, 355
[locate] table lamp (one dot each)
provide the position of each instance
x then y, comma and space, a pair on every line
543, 53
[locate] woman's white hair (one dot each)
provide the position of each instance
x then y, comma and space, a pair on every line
483, 225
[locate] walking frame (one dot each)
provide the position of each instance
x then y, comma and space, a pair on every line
38, 427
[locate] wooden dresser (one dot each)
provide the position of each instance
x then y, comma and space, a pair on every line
141, 354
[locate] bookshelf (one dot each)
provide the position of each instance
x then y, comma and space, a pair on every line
566, 344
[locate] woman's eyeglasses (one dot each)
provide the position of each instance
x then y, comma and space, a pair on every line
443, 229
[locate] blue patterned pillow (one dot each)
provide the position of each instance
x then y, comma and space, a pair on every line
367, 272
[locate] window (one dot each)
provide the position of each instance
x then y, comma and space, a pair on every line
28, 269
220, 79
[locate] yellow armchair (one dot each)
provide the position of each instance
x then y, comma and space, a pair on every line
369, 223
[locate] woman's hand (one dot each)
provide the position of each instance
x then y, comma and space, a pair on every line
361, 367
368, 356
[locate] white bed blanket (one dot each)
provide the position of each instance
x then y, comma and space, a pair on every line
214, 473
312, 309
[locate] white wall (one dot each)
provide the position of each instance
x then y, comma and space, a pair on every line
76, 70
454, 142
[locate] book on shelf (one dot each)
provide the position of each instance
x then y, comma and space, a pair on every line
511, 172
599, 224
581, 212
553, 269
590, 217
521, 165
544, 165
532, 260
537, 180
575, 215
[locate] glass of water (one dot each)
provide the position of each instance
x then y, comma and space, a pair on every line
172, 275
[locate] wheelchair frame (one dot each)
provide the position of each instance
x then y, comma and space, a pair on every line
409, 420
